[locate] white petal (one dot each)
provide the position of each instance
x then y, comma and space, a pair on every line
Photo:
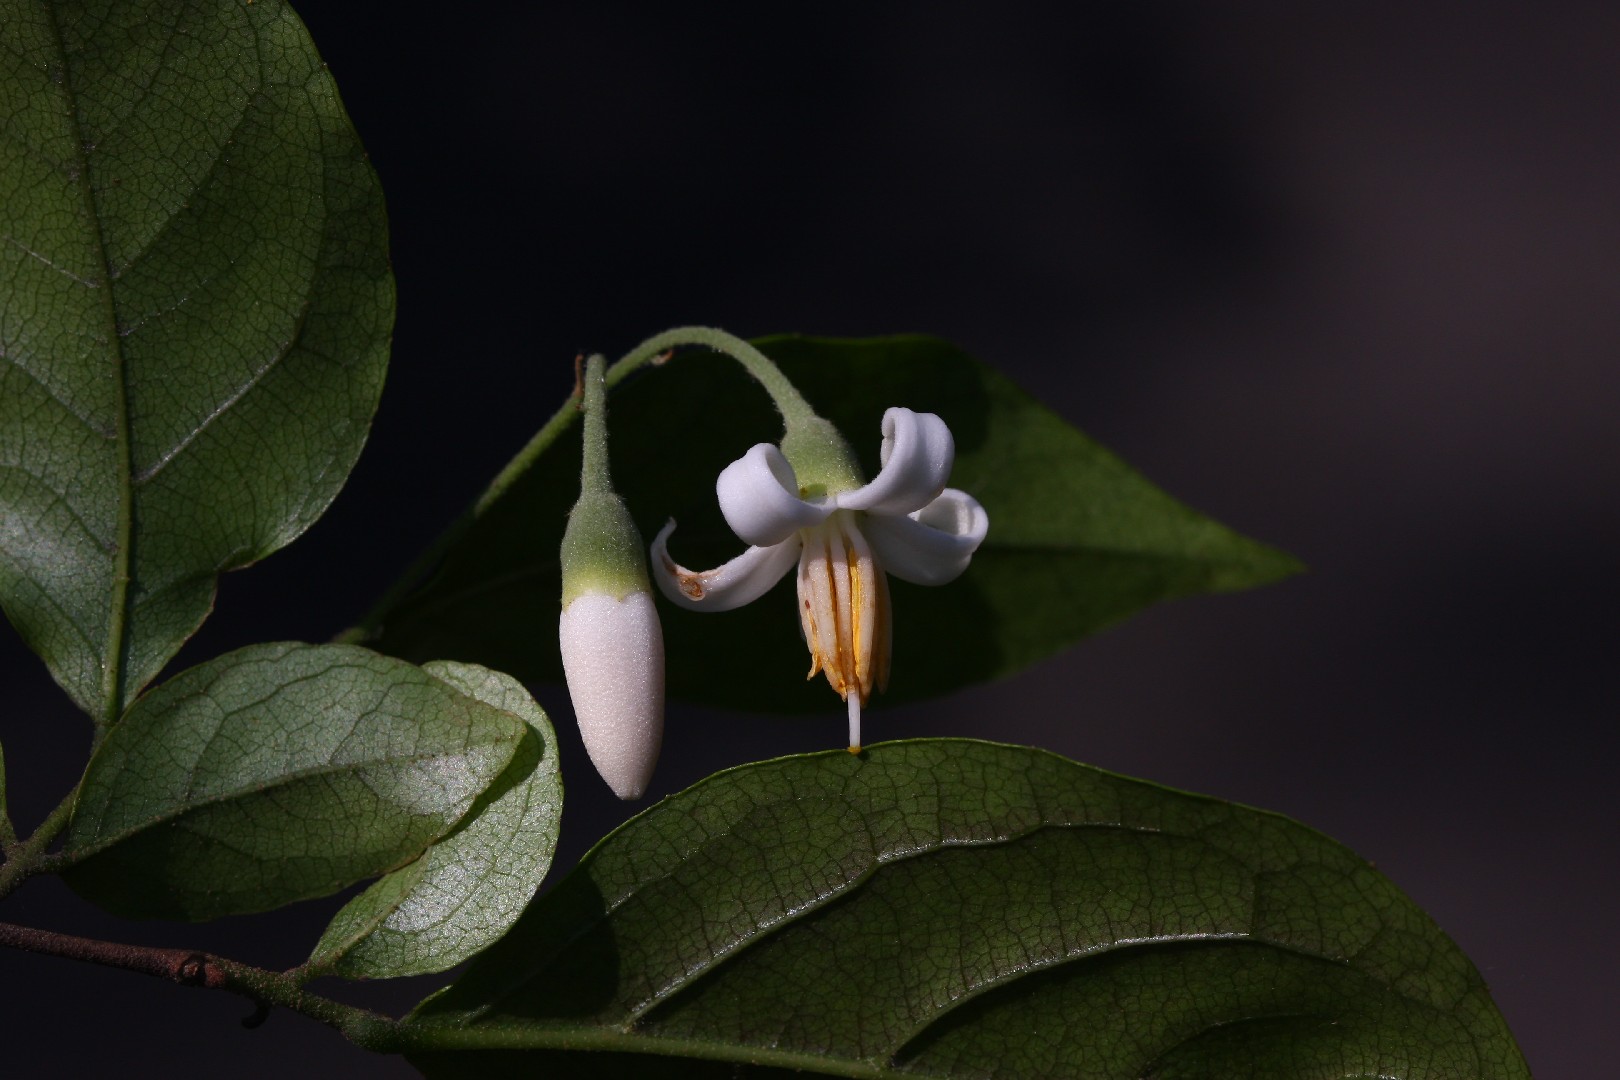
613, 656
933, 545
917, 455
727, 586
759, 495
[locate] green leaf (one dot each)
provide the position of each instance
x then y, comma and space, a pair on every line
195, 306
1077, 539
470, 887
953, 908
277, 773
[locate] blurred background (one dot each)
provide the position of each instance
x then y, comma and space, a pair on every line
1346, 281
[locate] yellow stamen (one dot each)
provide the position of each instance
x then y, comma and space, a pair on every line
843, 607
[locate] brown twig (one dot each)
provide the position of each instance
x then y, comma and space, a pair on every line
184, 966
190, 967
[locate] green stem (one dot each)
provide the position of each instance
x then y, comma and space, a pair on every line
188, 967
8, 832
440, 1036
594, 474
25, 859
789, 402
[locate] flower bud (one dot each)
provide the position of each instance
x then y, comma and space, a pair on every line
612, 645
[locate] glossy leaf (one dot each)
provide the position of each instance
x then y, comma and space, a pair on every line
1077, 539
470, 887
195, 305
277, 773
951, 908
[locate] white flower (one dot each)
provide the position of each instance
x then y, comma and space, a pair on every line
905, 522
613, 657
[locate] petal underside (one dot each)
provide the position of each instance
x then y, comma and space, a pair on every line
729, 585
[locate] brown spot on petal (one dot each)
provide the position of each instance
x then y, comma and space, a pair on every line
690, 584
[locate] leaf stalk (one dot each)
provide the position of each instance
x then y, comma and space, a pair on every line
8, 832
27, 858
435, 1036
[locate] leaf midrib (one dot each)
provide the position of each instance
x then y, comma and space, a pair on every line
282, 781
112, 657
341, 953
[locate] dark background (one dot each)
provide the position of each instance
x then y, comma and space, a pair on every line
1349, 282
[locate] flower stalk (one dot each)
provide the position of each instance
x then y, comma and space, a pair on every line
818, 452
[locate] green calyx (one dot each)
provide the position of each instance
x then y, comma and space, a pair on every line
601, 550
821, 458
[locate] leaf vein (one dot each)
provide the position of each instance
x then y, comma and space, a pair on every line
83, 421
1147, 1070
64, 271
151, 471
881, 860
36, 153
192, 192
61, 500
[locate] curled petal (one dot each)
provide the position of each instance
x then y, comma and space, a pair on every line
933, 545
759, 495
917, 455
727, 586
